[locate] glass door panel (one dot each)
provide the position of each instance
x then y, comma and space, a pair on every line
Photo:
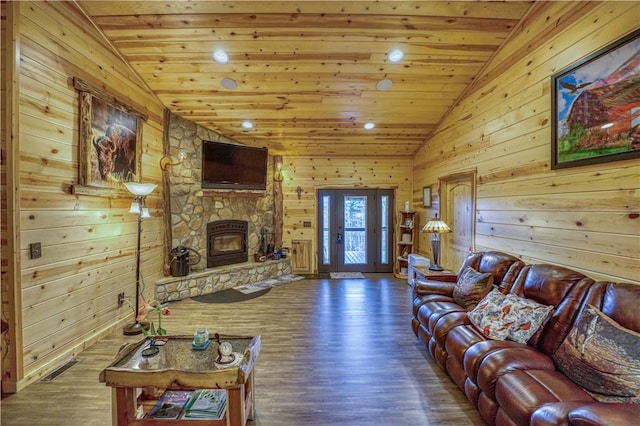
385, 238
325, 206
355, 230
354, 233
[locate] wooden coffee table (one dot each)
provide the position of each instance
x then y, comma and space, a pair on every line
178, 366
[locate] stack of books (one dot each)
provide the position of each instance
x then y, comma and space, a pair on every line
170, 405
206, 404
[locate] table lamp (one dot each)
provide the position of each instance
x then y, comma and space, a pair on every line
140, 191
436, 227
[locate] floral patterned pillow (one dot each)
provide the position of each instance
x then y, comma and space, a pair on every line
471, 287
489, 316
526, 317
601, 356
499, 316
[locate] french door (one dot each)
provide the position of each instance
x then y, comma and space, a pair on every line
355, 230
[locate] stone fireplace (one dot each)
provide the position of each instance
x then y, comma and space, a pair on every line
227, 242
192, 209
247, 216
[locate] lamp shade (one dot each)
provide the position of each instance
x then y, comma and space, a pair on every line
135, 207
140, 189
436, 226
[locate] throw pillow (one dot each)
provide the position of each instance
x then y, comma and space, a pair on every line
499, 316
489, 316
601, 356
525, 317
471, 287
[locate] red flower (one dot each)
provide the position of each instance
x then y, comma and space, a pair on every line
166, 311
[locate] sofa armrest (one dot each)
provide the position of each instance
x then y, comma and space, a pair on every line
554, 413
605, 413
425, 287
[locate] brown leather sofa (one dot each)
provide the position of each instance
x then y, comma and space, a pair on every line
519, 384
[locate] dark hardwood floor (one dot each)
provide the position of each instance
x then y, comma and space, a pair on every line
334, 352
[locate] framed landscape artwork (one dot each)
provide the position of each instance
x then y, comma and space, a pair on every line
595, 107
110, 140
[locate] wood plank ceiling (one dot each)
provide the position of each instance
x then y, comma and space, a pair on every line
307, 71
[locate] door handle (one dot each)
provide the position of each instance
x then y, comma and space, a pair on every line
339, 238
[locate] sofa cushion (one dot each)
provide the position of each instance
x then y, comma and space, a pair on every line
471, 287
563, 288
601, 356
503, 267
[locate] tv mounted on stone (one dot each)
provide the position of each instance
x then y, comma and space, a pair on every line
231, 166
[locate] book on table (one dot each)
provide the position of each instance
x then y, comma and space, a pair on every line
206, 404
170, 404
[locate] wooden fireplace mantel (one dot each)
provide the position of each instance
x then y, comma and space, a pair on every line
246, 193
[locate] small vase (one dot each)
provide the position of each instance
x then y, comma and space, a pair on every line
152, 349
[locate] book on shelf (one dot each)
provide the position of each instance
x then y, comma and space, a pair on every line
206, 404
170, 404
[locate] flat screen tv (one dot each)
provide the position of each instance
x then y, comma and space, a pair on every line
229, 166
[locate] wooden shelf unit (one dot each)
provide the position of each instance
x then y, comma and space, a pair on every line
405, 242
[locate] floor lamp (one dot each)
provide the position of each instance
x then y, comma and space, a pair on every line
436, 227
140, 191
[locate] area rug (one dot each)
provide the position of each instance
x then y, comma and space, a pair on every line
228, 296
336, 275
246, 291
268, 283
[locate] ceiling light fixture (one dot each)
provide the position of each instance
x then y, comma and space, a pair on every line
369, 125
221, 57
384, 85
247, 125
396, 55
229, 83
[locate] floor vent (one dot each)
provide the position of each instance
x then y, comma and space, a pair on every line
58, 371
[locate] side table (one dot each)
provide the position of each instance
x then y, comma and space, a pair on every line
423, 272
177, 366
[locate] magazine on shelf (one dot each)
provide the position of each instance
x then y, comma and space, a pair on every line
206, 404
170, 404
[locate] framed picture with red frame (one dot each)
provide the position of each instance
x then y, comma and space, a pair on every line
595, 106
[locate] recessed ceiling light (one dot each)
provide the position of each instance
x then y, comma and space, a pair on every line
229, 83
384, 85
396, 55
221, 57
369, 126
247, 124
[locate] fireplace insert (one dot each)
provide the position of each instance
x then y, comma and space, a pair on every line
226, 242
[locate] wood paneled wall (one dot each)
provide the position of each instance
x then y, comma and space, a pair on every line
68, 297
585, 218
313, 173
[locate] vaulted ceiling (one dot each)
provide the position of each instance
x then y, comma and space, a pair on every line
308, 72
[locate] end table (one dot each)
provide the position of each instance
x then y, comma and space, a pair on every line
425, 273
